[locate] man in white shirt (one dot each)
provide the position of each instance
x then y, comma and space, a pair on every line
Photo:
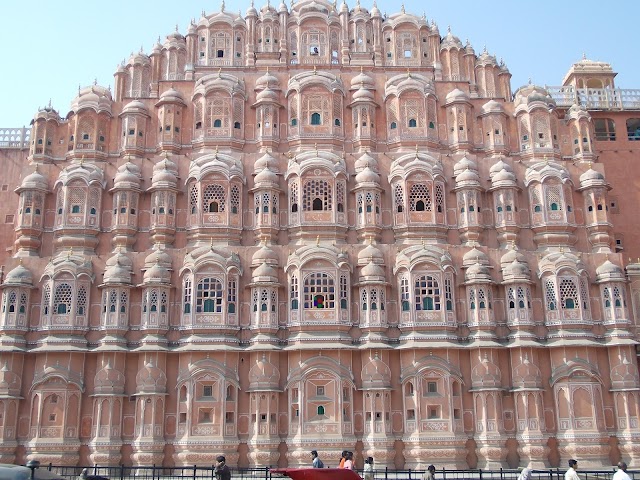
571, 473
621, 474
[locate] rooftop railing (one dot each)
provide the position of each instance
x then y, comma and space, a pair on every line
14, 137
596, 98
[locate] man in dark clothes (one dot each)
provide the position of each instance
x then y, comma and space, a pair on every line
221, 470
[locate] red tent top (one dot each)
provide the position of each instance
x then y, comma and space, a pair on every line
317, 473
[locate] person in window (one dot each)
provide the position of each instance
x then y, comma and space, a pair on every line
221, 470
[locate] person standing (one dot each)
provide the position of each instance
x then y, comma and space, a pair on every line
368, 468
429, 474
343, 459
316, 463
348, 461
621, 474
572, 473
525, 474
221, 471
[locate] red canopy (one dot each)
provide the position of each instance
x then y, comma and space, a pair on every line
317, 473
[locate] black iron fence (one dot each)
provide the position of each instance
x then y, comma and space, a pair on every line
206, 473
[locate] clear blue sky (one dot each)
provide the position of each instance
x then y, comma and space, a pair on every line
50, 47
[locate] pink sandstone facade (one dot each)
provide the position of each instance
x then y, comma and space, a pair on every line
322, 227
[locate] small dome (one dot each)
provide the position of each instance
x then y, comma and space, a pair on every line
158, 256
171, 96
375, 12
491, 107
10, 382
486, 59
370, 253
151, 379
463, 164
608, 272
108, 380
467, 177
450, 41
456, 95
251, 11
376, 374
95, 97
19, 276
531, 94
267, 160
157, 48
264, 375
503, 178
267, 95
135, 107
343, 7
498, 166
266, 176
34, 181
367, 176
139, 58
268, 80
512, 255
363, 94
365, 160
165, 173
264, 272
128, 176
591, 175
118, 270
477, 272
157, 274
516, 269
372, 270
362, 80
474, 256
264, 255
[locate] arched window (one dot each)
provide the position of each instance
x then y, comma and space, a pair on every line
568, 293
294, 293
319, 291
427, 293
217, 123
336, 122
320, 410
315, 118
62, 299
393, 125
412, 123
404, 294
317, 195
209, 296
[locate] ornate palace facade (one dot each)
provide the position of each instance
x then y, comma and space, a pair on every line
321, 227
